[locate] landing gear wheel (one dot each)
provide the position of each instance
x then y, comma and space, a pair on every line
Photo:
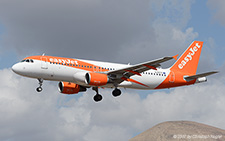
97, 97
39, 89
116, 92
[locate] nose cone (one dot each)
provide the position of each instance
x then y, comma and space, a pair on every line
17, 68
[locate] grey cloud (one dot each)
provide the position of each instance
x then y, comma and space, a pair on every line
119, 31
218, 11
175, 12
84, 29
52, 116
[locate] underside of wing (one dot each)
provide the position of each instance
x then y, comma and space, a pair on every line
129, 71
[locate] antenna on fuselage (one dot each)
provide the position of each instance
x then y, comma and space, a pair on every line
43, 54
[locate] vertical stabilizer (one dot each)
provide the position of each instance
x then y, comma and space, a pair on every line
188, 61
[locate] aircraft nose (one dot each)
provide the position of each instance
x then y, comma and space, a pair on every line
16, 68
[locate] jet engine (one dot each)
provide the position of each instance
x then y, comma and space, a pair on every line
70, 88
96, 79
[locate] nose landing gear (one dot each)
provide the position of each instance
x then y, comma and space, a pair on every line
39, 89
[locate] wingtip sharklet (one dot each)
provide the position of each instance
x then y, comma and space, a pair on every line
175, 56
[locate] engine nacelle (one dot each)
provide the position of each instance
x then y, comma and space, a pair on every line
70, 88
96, 79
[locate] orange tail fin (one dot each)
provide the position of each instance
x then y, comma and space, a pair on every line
188, 62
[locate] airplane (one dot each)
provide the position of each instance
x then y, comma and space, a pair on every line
77, 75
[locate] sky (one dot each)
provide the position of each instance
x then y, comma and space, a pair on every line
120, 31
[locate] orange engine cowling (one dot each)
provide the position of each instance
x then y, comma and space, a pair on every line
96, 79
70, 88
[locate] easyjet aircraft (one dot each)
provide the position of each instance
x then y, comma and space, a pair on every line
76, 75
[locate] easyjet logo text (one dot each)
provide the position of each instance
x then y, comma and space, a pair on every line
189, 56
64, 61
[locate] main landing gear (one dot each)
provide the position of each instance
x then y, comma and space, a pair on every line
39, 89
116, 92
97, 97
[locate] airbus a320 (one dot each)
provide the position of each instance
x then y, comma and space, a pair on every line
76, 75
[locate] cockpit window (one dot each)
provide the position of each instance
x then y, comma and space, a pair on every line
28, 60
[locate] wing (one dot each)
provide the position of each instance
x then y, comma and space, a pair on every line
189, 78
127, 72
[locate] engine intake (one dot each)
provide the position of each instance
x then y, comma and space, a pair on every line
70, 88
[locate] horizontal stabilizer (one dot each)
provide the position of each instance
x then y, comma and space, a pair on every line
189, 78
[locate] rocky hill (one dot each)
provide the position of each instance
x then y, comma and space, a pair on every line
181, 130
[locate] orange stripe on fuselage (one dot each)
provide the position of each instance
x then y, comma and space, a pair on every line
74, 63
178, 80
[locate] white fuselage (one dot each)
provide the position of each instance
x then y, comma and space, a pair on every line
57, 72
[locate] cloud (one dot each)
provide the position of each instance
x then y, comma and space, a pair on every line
98, 29
170, 35
173, 12
84, 29
49, 115
217, 10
